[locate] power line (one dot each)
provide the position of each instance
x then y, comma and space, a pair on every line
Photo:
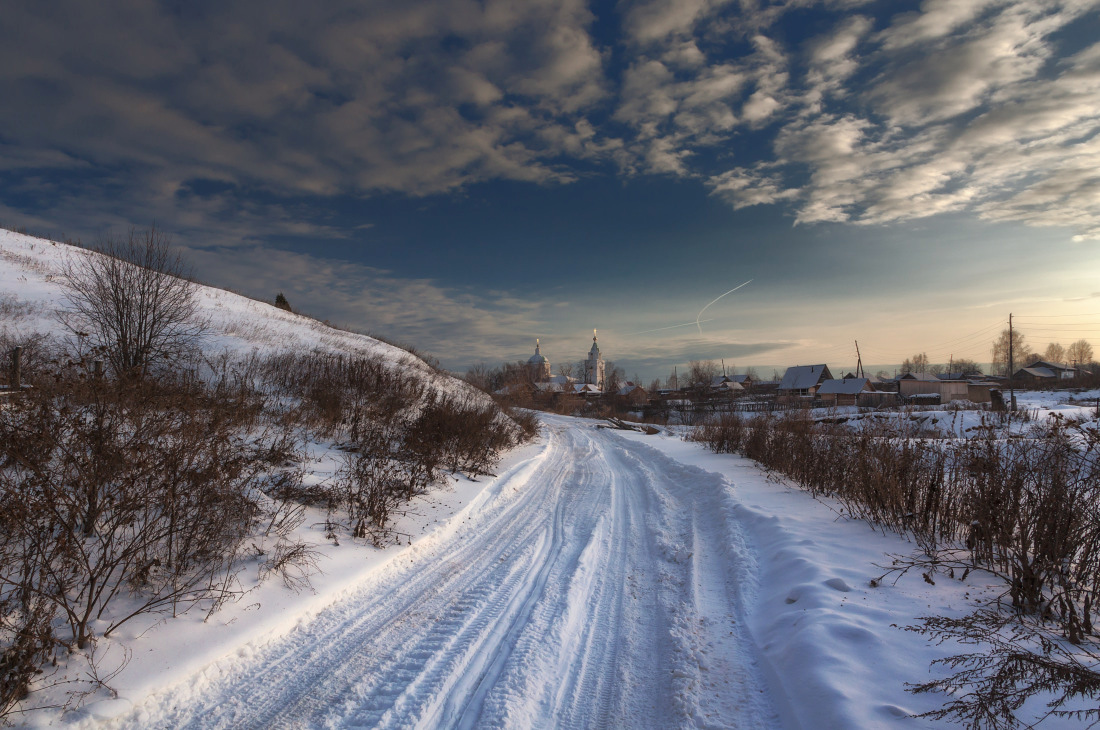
1049, 316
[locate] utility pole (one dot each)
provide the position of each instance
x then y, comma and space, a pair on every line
1011, 385
859, 361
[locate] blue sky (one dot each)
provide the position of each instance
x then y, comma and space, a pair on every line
467, 176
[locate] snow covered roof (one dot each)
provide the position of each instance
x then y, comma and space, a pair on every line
742, 378
801, 377
586, 388
728, 385
848, 386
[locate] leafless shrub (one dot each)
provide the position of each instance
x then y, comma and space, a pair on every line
13, 308
139, 490
132, 298
26, 642
374, 479
1020, 656
294, 562
527, 421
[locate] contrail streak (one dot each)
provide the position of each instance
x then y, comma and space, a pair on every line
670, 327
731, 291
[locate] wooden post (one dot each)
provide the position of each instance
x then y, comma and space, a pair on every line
16, 356
97, 369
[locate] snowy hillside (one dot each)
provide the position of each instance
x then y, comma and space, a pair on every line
238, 325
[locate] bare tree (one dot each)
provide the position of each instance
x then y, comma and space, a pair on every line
479, 377
1055, 353
1079, 352
134, 299
615, 377
1021, 352
702, 372
917, 364
966, 366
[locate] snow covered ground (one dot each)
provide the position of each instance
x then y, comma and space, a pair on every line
964, 420
603, 579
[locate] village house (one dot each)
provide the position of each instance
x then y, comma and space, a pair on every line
844, 392
923, 386
1042, 370
633, 393
802, 381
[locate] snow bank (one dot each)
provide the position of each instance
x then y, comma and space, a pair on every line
832, 645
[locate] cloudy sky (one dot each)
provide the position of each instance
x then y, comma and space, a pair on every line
466, 176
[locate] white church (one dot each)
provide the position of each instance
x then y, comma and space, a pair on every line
593, 380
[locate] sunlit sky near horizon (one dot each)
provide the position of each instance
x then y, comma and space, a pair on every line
467, 176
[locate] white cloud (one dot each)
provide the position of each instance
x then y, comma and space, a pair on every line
968, 109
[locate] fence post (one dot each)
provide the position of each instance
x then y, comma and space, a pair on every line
16, 356
97, 369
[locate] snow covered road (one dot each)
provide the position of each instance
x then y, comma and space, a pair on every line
596, 585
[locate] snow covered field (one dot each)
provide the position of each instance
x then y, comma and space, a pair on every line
603, 579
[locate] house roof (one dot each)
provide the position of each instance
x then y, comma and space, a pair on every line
1052, 366
925, 377
729, 385
801, 377
742, 378
848, 386
1039, 372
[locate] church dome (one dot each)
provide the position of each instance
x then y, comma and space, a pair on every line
539, 365
538, 358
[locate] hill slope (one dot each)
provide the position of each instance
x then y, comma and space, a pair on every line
319, 389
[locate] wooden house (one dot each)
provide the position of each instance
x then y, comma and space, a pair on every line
802, 381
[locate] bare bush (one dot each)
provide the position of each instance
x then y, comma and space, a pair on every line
1020, 656
399, 436
133, 298
137, 491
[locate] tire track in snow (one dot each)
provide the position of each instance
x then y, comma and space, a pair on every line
589, 594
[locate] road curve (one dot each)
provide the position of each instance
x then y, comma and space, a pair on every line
601, 584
